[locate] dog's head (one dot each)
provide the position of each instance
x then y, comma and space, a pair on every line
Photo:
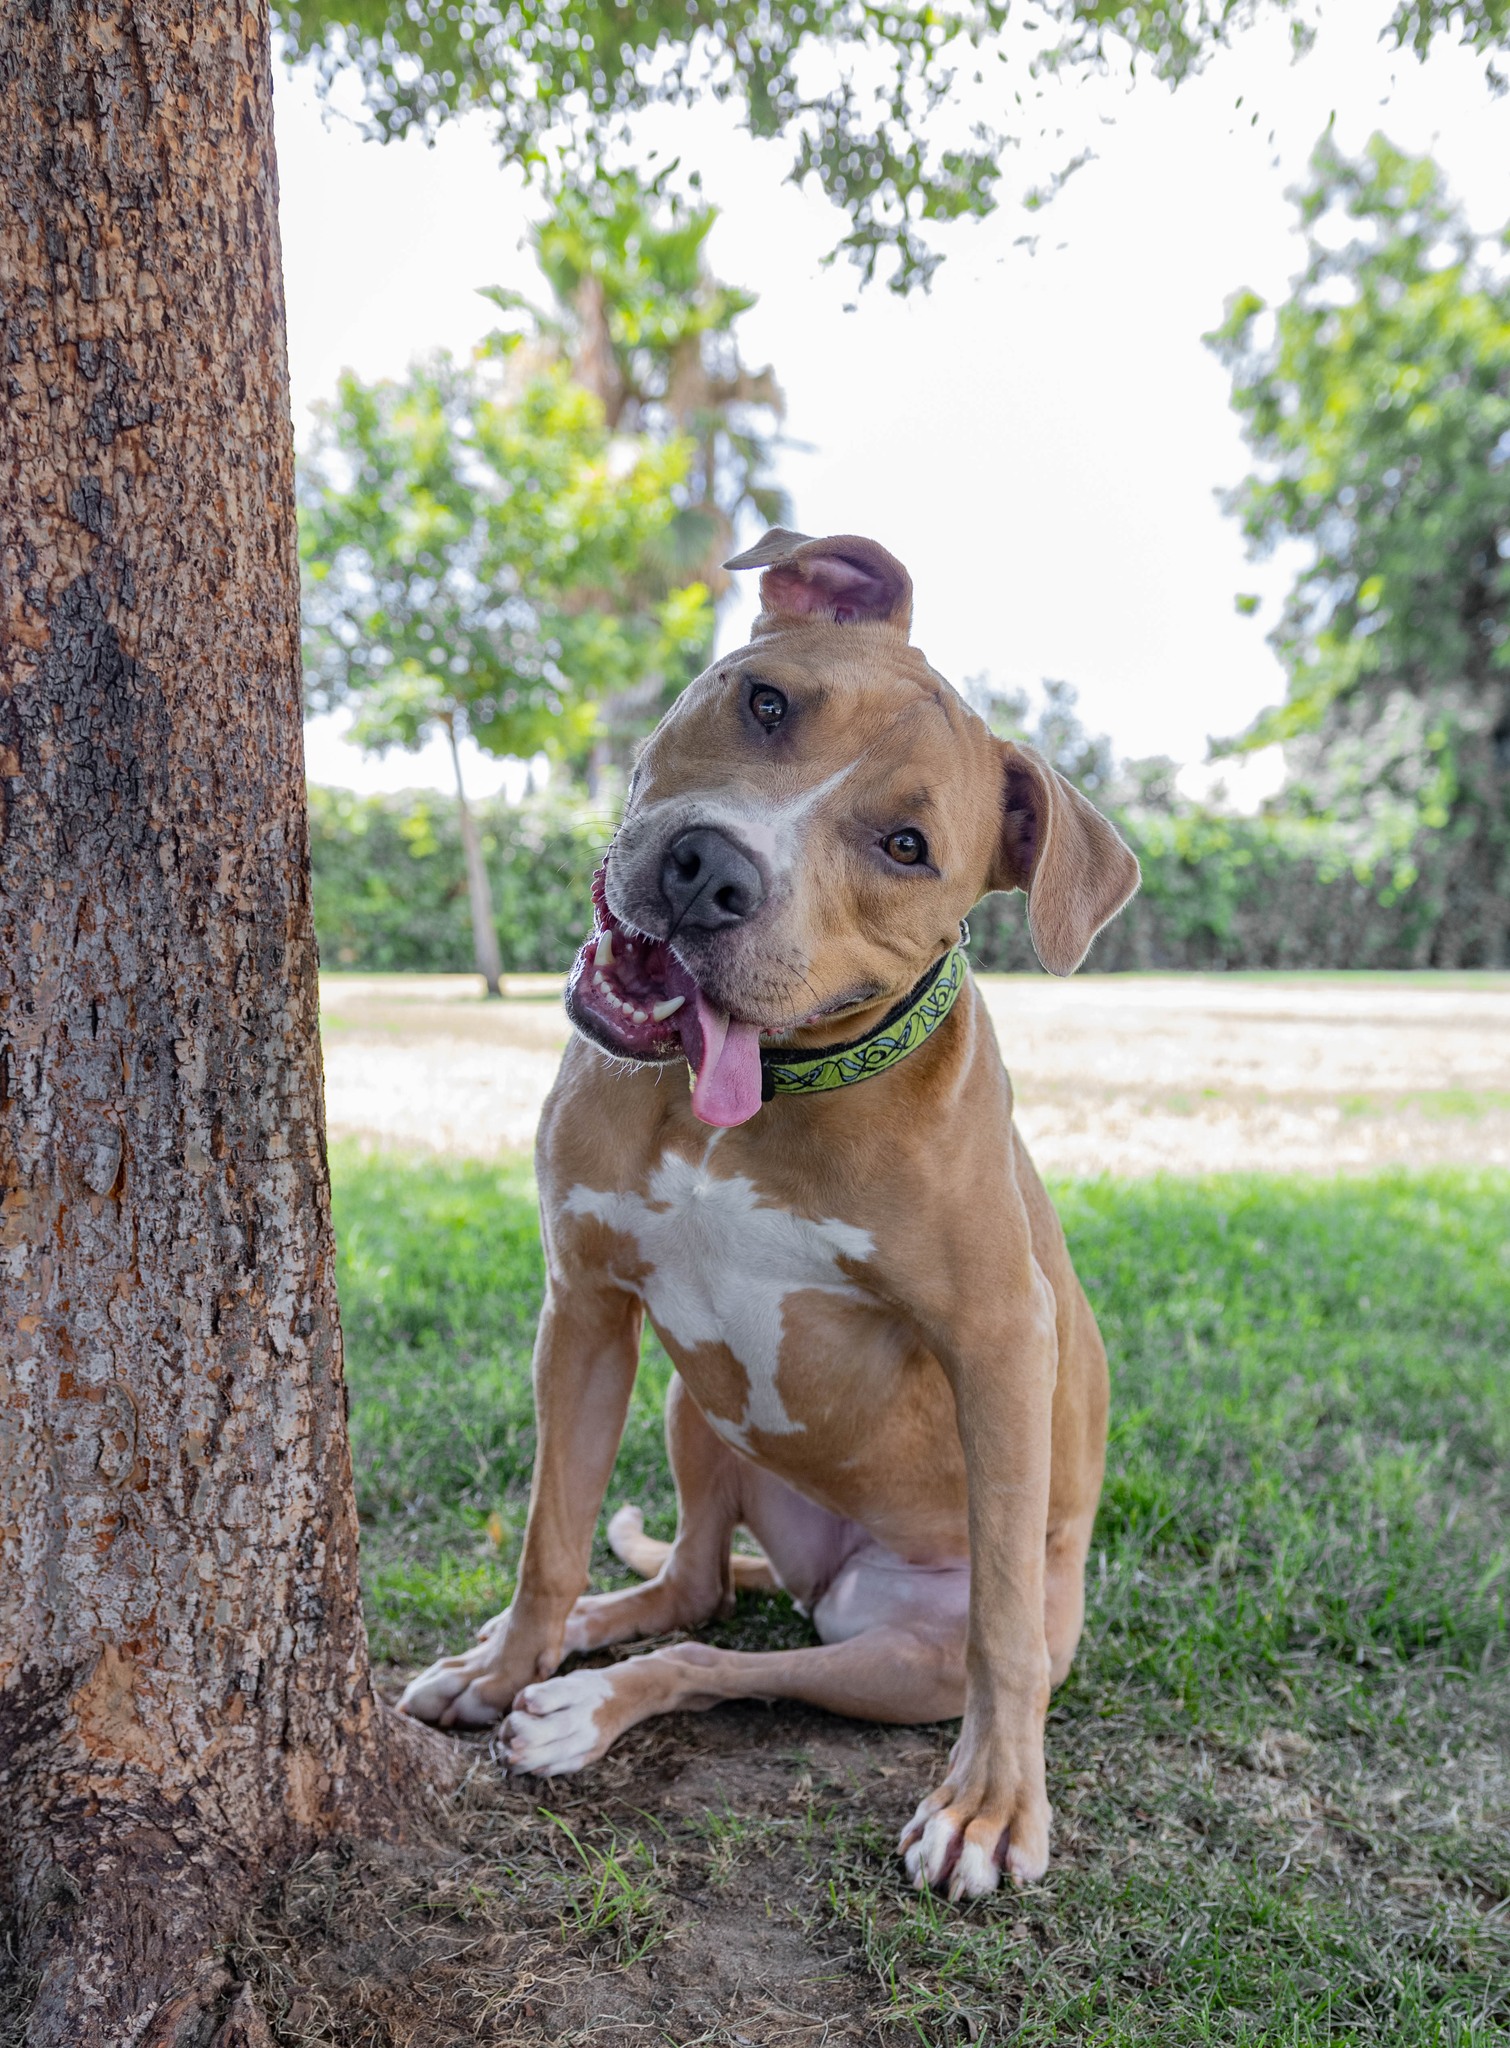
807, 826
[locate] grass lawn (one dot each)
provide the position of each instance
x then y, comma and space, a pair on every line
1281, 1766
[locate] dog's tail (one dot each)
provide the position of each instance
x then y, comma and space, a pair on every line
643, 1554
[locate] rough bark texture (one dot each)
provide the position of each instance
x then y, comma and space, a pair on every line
184, 1689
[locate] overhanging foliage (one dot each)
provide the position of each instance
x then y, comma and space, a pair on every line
860, 90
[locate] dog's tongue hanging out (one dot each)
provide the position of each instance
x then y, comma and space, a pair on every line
723, 1053
646, 1002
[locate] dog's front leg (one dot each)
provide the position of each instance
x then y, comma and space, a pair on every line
586, 1354
992, 1812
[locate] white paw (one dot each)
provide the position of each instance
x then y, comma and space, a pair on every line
936, 1858
554, 1726
453, 1693
963, 1846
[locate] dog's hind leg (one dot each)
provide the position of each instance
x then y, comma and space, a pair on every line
1064, 1592
694, 1577
888, 1673
893, 1649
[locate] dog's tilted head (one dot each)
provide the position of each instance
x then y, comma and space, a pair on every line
806, 828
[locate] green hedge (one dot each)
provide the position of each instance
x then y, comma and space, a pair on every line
1218, 892
1231, 892
390, 889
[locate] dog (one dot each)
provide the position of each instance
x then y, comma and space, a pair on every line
886, 1369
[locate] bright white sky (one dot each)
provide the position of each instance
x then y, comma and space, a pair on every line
1039, 438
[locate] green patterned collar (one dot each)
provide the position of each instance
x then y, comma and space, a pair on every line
916, 1017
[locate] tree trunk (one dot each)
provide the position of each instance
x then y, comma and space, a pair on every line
479, 891
1496, 829
594, 363
184, 1689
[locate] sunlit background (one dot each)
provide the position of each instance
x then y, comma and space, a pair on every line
1042, 436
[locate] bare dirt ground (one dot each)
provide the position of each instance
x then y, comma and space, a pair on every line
1117, 1074
678, 1894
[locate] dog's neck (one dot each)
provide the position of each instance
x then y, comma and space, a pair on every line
882, 1042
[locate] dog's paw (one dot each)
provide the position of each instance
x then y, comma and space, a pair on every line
458, 1692
557, 1726
964, 1835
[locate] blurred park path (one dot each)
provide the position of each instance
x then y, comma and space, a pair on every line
1114, 1073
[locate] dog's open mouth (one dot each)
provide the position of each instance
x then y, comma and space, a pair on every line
635, 998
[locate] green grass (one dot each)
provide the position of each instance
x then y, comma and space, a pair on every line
616, 1903
1280, 1764
1433, 1102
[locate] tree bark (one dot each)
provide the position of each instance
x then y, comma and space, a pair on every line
479, 892
184, 1688
594, 363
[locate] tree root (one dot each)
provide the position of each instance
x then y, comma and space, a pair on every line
124, 1926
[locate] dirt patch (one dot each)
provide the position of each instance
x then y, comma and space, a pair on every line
673, 1894
728, 1881
1120, 1074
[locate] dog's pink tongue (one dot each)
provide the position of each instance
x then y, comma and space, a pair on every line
725, 1066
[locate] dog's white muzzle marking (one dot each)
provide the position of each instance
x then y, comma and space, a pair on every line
775, 830
721, 1266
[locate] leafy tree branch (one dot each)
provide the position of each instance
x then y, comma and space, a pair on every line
1377, 402
862, 92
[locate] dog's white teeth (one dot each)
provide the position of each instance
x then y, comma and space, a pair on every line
640, 1017
667, 1009
599, 982
604, 955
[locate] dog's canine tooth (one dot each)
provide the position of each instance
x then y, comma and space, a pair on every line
603, 957
667, 1009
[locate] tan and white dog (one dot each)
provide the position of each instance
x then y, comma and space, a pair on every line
886, 1369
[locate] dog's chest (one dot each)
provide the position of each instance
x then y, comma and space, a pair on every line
721, 1267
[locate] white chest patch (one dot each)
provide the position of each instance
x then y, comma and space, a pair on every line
721, 1266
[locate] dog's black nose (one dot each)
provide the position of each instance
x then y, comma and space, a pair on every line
707, 882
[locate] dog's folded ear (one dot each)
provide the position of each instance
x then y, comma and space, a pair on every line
1054, 843
844, 577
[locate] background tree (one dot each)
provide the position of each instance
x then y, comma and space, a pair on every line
184, 1690
861, 93
482, 558
644, 326
650, 332
1377, 398
1054, 727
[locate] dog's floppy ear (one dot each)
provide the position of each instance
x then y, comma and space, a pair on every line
1056, 845
845, 577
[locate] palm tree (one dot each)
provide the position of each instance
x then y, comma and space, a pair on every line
649, 331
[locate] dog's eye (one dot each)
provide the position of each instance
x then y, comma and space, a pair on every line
908, 848
768, 706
